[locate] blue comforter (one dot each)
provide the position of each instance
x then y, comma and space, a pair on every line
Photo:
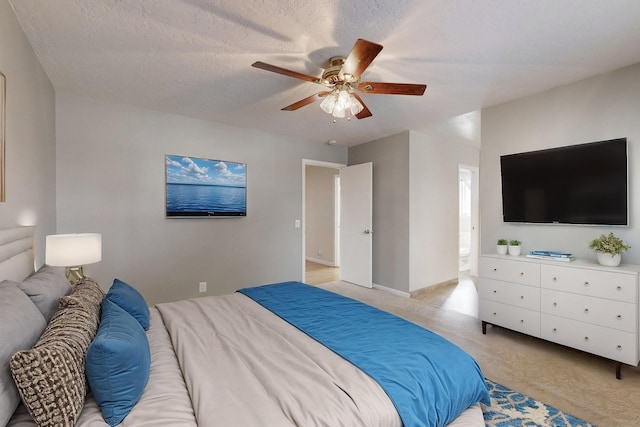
429, 379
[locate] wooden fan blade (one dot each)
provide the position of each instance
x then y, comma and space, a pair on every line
365, 111
306, 101
284, 71
392, 88
361, 55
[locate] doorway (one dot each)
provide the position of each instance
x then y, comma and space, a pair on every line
468, 220
320, 231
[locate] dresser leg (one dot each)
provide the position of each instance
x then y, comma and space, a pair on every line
484, 328
618, 368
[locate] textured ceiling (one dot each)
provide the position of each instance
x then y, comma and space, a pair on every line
193, 57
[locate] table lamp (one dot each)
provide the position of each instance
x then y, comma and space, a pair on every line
73, 251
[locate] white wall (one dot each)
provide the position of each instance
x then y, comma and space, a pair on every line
599, 108
111, 180
434, 216
320, 214
30, 135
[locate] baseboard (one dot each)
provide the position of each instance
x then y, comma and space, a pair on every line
392, 291
422, 291
321, 261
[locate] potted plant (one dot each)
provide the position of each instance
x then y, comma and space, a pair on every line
501, 247
609, 249
514, 247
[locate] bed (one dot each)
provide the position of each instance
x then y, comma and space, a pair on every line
217, 361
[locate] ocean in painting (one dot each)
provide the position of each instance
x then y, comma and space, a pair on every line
206, 200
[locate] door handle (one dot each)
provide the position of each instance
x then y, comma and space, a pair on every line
367, 231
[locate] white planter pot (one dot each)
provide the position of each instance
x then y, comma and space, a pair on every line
608, 259
501, 249
514, 250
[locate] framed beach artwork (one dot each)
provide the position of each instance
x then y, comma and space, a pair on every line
205, 188
3, 132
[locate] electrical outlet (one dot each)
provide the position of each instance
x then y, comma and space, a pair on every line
203, 287
319, 252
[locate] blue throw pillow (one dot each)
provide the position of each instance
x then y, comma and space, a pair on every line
129, 299
117, 363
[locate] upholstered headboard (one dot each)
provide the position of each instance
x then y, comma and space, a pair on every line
16, 253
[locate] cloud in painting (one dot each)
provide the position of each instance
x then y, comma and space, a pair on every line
192, 170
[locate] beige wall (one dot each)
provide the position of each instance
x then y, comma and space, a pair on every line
115, 186
30, 135
320, 214
595, 109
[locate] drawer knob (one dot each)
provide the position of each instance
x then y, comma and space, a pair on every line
522, 273
495, 269
555, 278
495, 291
521, 296
494, 313
619, 316
521, 320
618, 288
555, 304
586, 283
586, 310
619, 347
586, 338
555, 330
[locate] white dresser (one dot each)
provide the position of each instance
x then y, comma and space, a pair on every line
579, 304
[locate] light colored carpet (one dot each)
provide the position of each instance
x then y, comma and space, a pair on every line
574, 382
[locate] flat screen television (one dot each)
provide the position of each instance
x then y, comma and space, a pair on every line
583, 184
208, 188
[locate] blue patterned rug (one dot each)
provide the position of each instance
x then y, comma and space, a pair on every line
512, 409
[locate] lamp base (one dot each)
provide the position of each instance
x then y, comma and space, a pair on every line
74, 274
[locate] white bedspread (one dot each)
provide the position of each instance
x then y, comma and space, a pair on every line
244, 366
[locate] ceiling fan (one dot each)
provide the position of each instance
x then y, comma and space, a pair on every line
342, 79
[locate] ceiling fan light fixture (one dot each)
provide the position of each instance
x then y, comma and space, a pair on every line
339, 101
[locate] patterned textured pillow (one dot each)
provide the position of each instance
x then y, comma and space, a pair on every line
51, 376
86, 291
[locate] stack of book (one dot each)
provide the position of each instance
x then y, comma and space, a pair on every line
551, 255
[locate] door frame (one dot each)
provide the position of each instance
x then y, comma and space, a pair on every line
305, 163
475, 216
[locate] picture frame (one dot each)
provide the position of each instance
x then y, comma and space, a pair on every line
204, 188
3, 132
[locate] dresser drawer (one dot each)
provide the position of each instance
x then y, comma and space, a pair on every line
510, 317
595, 283
610, 343
509, 293
506, 270
597, 311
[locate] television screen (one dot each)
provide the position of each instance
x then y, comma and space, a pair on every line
205, 188
577, 184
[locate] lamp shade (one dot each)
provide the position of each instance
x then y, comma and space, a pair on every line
71, 250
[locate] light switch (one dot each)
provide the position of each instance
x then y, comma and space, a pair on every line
297, 224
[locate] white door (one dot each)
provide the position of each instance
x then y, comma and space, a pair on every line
356, 233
